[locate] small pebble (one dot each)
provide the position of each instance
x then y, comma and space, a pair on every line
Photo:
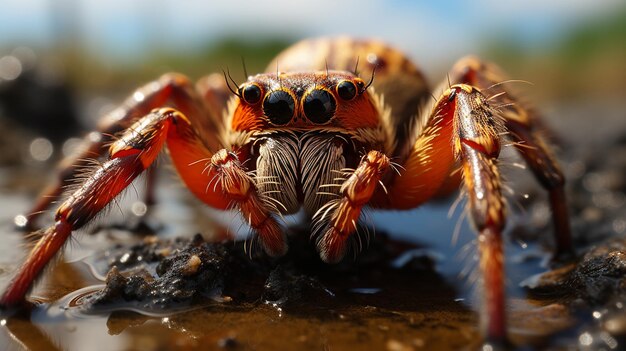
192, 265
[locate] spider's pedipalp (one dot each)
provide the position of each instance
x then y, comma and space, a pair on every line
339, 221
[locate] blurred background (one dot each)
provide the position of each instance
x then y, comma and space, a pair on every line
64, 63
568, 49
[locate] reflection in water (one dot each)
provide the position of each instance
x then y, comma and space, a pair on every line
27, 335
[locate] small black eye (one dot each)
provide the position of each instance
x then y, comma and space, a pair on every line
251, 94
319, 106
346, 90
278, 107
361, 86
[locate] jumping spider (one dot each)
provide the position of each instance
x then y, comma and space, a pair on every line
315, 136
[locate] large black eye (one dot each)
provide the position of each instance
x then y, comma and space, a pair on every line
346, 90
278, 107
319, 106
251, 94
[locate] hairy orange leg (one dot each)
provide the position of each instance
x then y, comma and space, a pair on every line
221, 181
477, 142
133, 153
170, 90
243, 194
355, 192
521, 123
428, 165
129, 157
462, 129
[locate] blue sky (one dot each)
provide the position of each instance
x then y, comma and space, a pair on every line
124, 29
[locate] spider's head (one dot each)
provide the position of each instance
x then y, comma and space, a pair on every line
304, 100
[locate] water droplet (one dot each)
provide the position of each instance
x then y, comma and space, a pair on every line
585, 339
41, 149
619, 226
94, 137
138, 96
125, 258
20, 221
596, 315
372, 58
139, 209
10, 68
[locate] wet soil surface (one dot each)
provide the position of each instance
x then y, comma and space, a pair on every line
172, 289
161, 275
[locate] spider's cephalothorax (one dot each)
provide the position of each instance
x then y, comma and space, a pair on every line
318, 137
301, 130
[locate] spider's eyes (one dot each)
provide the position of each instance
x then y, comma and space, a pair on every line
278, 107
319, 106
346, 90
251, 94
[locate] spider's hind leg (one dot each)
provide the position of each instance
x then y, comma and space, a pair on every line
170, 89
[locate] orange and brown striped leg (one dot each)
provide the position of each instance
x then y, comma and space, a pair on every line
462, 129
338, 219
134, 152
242, 192
477, 143
128, 157
478, 146
170, 90
521, 122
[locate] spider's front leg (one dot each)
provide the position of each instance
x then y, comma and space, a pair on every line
477, 143
521, 123
462, 128
217, 179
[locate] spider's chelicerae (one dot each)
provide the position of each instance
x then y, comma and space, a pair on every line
315, 136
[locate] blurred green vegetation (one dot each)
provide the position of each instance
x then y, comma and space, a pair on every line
588, 62
226, 54
229, 54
